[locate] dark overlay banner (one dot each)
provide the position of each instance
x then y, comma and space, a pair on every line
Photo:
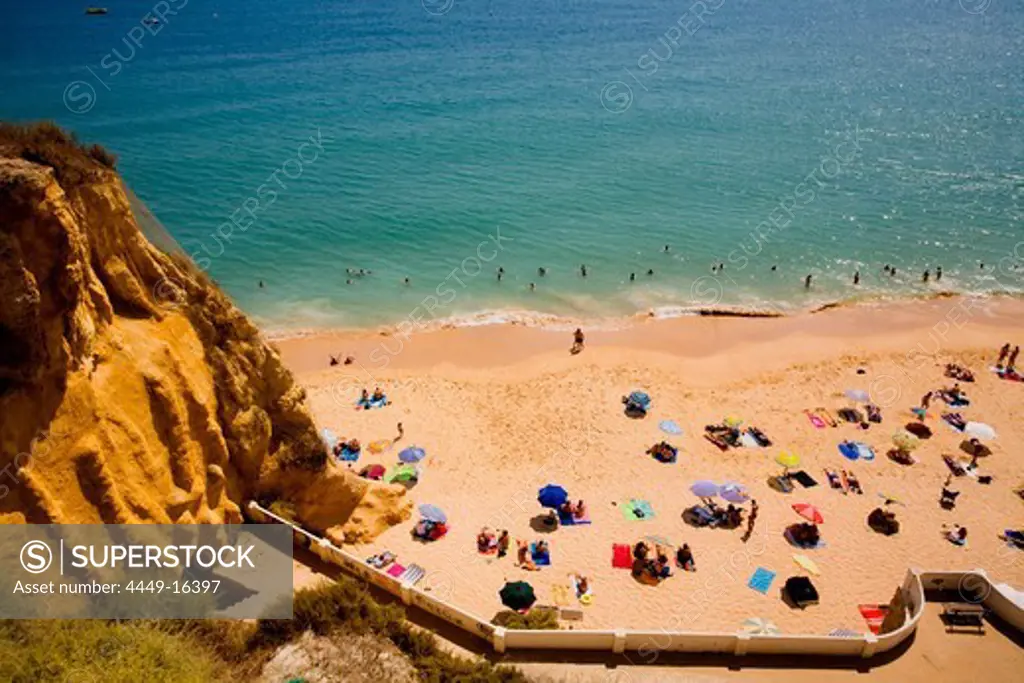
145, 571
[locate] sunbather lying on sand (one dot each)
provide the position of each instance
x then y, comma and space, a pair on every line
523, 556
852, 482
959, 372
834, 480
955, 534
486, 542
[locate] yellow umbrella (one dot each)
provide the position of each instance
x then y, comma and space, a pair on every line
807, 563
732, 421
787, 459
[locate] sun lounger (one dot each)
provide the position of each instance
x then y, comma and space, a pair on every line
622, 556
815, 420
804, 479
781, 483
835, 481
568, 519
851, 415
825, 415
955, 420
413, 574
761, 580
761, 438
717, 440
956, 468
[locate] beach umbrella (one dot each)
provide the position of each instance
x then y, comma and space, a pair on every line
380, 445
705, 489
552, 496
403, 473
412, 454
329, 437
640, 398
980, 430
373, 472
670, 427
809, 512
518, 595
734, 493
756, 626
432, 513
732, 421
857, 395
787, 459
905, 441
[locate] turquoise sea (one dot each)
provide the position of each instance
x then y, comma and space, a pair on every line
401, 136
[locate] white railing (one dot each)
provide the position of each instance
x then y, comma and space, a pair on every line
1001, 599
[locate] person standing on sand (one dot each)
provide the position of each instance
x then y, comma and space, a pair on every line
401, 432
925, 401
856, 278
927, 274
807, 282
1012, 360
1003, 352
503, 543
938, 273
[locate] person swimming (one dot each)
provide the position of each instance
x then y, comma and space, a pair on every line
632, 277
542, 271
583, 270
856, 278
807, 282
650, 271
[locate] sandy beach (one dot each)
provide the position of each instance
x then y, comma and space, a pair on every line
503, 410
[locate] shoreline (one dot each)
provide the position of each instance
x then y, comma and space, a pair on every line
936, 322
554, 321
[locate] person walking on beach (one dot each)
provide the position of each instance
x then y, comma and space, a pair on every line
577, 341
938, 273
927, 274
807, 282
1003, 352
856, 278
1011, 362
583, 270
503, 543
401, 432
750, 521
925, 401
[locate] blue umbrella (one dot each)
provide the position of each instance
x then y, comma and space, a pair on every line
552, 496
705, 489
670, 427
413, 454
640, 398
432, 513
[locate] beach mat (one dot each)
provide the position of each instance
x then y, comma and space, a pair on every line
413, 574
396, 570
761, 581
874, 615
636, 510
622, 556
539, 559
566, 519
804, 479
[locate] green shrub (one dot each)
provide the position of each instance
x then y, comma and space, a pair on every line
47, 144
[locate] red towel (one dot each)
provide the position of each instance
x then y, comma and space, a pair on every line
874, 615
396, 570
622, 556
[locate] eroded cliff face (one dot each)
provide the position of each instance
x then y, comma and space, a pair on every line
132, 390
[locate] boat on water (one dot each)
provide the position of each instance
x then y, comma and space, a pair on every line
95, 10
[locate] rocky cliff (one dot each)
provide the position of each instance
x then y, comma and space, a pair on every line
131, 388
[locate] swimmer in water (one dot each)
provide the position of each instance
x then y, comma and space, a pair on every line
807, 282
650, 271
583, 270
533, 286
542, 271
632, 277
856, 278
927, 274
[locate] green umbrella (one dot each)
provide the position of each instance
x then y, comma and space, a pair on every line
401, 473
518, 595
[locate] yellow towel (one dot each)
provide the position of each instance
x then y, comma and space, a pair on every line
807, 563
560, 594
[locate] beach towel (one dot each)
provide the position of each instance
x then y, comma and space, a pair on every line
844, 633
747, 440
372, 403
825, 415
396, 570
761, 581
874, 615
380, 445
856, 450
635, 510
413, 574
1012, 376
567, 519
804, 479
622, 556
807, 563
815, 420
585, 598
540, 559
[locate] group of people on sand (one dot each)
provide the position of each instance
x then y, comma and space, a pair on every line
1010, 358
347, 446
574, 511
525, 554
488, 542
365, 398
650, 565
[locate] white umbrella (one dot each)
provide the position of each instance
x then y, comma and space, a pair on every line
760, 627
857, 395
980, 430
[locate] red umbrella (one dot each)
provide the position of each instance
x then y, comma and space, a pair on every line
808, 512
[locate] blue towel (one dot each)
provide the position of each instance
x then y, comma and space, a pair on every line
541, 560
349, 456
761, 581
566, 519
849, 451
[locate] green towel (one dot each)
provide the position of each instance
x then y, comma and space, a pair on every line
631, 507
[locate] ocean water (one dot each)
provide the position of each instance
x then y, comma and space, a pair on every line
403, 137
